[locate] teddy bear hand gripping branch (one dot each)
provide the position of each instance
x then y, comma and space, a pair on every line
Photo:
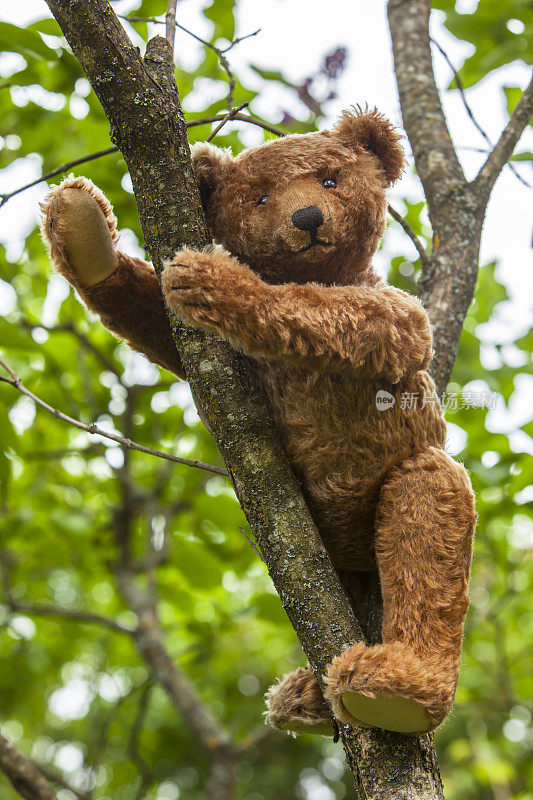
297, 222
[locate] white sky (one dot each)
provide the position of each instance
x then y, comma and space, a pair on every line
294, 37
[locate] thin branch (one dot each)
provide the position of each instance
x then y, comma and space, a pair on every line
220, 53
424, 258
468, 109
57, 171
25, 777
504, 148
53, 611
241, 39
150, 642
252, 544
70, 614
94, 429
97, 745
232, 113
170, 24
193, 123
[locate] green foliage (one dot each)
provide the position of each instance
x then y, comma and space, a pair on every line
500, 33
71, 692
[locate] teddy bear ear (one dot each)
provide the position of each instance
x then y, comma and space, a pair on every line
210, 164
372, 131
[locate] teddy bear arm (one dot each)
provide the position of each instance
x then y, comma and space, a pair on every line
392, 333
363, 330
367, 331
130, 304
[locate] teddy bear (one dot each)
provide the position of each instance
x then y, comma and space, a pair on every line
289, 282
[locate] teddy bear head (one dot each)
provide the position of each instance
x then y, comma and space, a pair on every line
306, 207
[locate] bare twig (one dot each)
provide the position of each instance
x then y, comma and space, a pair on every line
25, 777
220, 53
424, 259
193, 123
57, 171
52, 611
468, 109
71, 614
170, 23
503, 150
94, 429
230, 115
241, 39
252, 544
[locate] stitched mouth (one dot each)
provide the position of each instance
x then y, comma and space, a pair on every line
314, 242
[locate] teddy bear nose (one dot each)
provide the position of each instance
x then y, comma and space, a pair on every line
308, 219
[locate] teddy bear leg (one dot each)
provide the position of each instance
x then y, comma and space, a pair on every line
424, 536
296, 704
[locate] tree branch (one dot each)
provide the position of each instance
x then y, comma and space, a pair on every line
25, 777
504, 148
424, 121
462, 94
424, 258
53, 611
449, 276
193, 123
170, 24
224, 63
68, 613
94, 429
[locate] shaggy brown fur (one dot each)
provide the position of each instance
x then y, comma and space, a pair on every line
326, 335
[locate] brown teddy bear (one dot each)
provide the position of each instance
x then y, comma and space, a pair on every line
338, 351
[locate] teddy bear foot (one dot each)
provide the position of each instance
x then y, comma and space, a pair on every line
295, 704
389, 686
391, 712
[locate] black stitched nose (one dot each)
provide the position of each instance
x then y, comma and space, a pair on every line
308, 219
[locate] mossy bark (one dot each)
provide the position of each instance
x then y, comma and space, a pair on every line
141, 101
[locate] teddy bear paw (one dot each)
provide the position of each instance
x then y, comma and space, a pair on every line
296, 704
189, 286
387, 686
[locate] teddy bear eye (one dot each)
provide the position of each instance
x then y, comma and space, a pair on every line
329, 183
262, 200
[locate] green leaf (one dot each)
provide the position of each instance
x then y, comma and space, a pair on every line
199, 566
525, 156
24, 41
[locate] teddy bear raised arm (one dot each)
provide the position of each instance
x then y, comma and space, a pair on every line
298, 221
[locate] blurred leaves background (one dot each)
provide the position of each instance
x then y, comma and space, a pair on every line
78, 697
